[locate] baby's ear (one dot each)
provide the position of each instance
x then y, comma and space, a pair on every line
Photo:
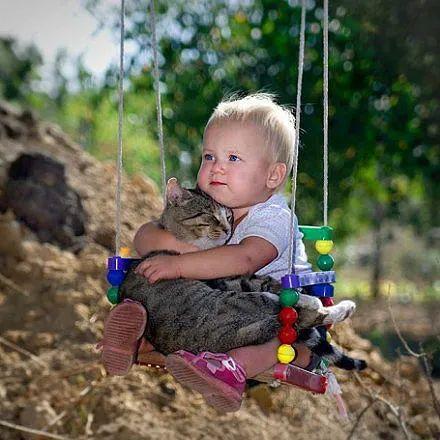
174, 192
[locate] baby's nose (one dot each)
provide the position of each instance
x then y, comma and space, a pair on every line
218, 167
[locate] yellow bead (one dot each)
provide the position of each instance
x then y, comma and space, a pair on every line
286, 353
328, 337
324, 246
124, 252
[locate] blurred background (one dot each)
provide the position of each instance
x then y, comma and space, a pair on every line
60, 59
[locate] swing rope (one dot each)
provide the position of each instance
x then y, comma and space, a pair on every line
292, 240
120, 126
118, 191
158, 100
325, 116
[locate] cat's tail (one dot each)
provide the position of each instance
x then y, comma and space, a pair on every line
318, 345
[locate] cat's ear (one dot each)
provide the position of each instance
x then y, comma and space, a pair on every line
174, 192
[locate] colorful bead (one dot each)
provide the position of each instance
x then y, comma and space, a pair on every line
287, 335
321, 290
324, 246
288, 316
124, 252
113, 295
289, 297
325, 262
286, 354
120, 263
115, 277
307, 279
327, 301
328, 337
317, 232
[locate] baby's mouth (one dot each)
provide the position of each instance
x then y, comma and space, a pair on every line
216, 183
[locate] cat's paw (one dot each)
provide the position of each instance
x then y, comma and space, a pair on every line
340, 312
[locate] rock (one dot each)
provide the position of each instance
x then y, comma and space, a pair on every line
38, 194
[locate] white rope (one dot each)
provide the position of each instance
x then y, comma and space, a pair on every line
325, 116
158, 101
120, 124
292, 240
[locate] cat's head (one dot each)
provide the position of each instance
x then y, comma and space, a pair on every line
194, 217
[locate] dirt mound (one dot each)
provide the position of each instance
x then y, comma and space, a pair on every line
52, 311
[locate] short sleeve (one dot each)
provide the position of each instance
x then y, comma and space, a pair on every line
272, 224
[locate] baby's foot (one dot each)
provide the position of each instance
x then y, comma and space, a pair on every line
123, 331
216, 376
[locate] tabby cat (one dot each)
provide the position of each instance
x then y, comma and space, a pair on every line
222, 314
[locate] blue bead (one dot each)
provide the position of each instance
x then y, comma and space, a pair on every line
115, 277
321, 290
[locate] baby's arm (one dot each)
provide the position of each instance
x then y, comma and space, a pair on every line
150, 237
245, 258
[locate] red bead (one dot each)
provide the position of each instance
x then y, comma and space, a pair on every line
327, 301
287, 335
288, 316
329, 326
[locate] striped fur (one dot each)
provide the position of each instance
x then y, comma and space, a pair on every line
222, 314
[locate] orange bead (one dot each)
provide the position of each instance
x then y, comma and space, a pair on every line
287, 335
288, 316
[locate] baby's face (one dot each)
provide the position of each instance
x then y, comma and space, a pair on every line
235, 165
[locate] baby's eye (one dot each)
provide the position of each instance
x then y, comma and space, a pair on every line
233, 158
208, 156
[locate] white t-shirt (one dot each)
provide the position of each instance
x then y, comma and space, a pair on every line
271, 220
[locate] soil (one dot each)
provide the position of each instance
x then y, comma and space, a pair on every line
52, 308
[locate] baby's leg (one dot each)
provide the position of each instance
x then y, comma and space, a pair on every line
258, 358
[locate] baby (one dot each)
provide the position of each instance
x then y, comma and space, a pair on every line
246, 159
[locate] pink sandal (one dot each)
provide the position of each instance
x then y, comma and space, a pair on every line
216, 376
123, 332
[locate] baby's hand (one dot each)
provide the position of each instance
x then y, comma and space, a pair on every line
161, 267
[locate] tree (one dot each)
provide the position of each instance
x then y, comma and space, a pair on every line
18, 69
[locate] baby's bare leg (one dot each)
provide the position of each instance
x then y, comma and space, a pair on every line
256, 359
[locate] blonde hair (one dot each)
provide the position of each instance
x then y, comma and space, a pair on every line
276, 122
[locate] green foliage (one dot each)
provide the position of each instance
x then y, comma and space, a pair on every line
18, 69
383, 96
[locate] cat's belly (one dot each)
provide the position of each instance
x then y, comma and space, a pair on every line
189, 315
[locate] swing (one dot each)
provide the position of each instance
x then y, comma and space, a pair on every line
318, 283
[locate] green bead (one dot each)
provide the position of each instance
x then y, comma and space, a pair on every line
289, 297
113, 295
325, 262
317, 232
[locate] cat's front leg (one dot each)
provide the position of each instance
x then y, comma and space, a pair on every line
257, 283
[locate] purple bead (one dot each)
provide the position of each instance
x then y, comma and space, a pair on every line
290, 281
120, 263
308, 279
